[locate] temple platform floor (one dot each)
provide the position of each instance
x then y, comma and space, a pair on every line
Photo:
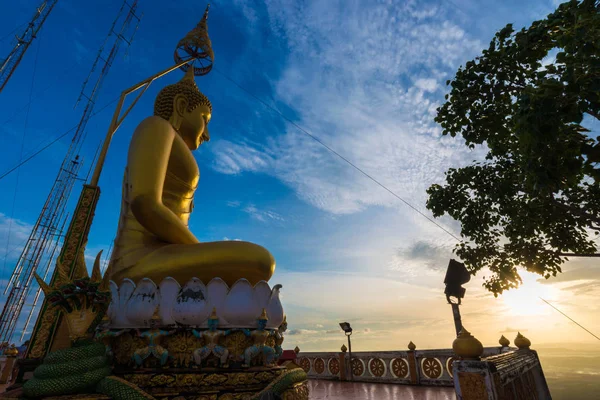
335, 390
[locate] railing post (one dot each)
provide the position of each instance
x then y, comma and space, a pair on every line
11, 356
472, 380
343, 363
412, 364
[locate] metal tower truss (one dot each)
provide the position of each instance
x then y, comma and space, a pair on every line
44, 239
10, 63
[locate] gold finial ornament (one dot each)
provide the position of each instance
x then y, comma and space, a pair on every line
344, 348
196, 44
12, 351
296, 349
213, 315
467, 346
411, 346
504, 342
263, 316
522, 342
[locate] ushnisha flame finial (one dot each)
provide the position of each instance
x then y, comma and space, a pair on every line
196, 45
213, 315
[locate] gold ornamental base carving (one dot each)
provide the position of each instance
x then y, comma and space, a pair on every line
298, 392
180, 346
214, 385
472, 385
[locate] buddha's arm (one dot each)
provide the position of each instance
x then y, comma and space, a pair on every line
147, 166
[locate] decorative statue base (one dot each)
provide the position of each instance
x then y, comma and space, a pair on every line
163, 341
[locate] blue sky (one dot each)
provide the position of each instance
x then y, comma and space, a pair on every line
363, 77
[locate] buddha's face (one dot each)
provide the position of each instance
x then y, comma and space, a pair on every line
194, 124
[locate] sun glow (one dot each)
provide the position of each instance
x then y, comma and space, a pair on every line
525, 301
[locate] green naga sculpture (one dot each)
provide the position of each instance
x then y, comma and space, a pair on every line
84, 367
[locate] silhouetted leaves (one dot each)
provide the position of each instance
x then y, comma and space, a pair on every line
537, 194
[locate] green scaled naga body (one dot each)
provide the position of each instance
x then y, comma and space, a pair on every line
83, 368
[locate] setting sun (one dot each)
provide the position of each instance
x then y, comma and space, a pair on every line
525, 300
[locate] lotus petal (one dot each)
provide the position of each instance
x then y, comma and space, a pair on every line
217, 293
169, 290
120, 298
262, 292
125, 291
143, 303
241, 306
191, 307
114, 306
275, 309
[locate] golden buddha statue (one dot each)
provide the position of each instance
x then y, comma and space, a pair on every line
153, 240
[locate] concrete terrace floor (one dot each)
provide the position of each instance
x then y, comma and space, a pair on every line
335, 390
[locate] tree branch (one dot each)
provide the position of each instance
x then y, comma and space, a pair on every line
593, 114
578, 212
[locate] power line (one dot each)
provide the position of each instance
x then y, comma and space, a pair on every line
336, 153
57, 79
54, 141
572, 320
13, 31
14, 202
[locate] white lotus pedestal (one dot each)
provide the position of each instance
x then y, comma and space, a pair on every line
174, 311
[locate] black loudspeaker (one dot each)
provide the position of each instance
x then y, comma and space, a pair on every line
456, 275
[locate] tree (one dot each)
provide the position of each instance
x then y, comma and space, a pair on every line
535, 199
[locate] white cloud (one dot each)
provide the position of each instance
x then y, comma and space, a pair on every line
228, 239
428, 85
262, 215
302, 332
13, 236
366, 81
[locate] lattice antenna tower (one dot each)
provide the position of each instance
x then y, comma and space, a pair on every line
10, 63
43, 240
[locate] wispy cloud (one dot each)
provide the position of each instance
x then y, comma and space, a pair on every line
302, 332
262, 215
366, 81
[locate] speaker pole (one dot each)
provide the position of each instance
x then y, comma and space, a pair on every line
456, 314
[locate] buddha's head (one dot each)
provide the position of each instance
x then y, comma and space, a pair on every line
187, 109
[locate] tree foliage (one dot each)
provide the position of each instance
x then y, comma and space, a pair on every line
536, 196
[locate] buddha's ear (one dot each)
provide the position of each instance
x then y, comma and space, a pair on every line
180, 104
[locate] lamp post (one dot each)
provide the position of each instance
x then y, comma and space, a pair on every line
348, 332
456, 275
